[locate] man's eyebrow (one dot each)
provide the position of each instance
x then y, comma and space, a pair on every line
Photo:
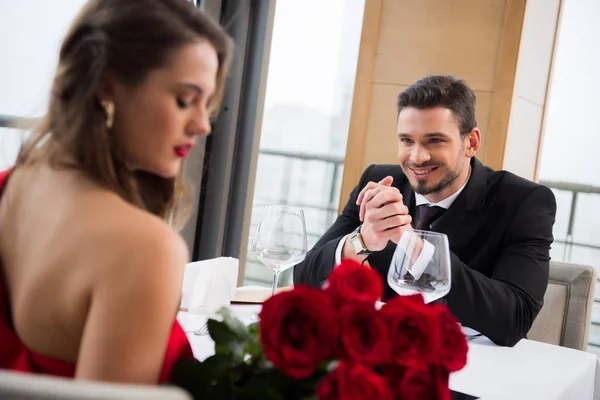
436, 134
427, 135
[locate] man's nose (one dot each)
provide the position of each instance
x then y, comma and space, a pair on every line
419, 155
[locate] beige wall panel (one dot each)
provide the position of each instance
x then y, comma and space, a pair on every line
482, 113
361, 102
505, 81
460, 37
522, 142
535, 54
380, 142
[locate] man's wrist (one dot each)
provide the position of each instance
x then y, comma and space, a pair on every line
349, 253
358, 243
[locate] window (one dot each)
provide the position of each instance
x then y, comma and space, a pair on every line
312, 68
31, 33
568, 160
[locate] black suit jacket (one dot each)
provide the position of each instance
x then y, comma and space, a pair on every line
500, 232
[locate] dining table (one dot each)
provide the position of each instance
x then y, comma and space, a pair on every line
529, 370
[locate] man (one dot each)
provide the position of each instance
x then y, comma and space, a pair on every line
499, 225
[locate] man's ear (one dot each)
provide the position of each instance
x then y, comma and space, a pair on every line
472, 142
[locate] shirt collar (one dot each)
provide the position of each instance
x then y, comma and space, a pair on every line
445, 203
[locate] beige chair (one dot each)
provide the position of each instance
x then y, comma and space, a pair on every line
565, 318
19, 386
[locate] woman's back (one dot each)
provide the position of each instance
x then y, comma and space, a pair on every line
50, 221
62, 239
38, 244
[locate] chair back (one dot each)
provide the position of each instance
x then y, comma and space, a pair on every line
565, 318
22, 386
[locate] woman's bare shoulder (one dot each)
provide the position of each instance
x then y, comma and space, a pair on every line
118, 233
138, 266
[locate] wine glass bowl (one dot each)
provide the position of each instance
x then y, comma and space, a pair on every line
421, 264
279, 241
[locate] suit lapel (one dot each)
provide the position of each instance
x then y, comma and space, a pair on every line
466, 215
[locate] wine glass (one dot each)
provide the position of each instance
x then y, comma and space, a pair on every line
421, 264
280, 239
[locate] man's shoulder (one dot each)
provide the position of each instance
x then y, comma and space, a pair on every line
377, 172
510, 185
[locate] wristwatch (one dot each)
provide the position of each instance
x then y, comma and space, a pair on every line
358, 244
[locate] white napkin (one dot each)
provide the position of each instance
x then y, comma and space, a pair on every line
408, 243
209, 285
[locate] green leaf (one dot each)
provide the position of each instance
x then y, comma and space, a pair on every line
216, 365
258, 387
198, 378
253, 347
265, 383
254, 350
220, 333
235, 325
253, 330
231, 340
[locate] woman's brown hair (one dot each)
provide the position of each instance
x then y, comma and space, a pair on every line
128, 38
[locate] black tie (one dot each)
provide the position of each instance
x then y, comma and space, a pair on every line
427, 215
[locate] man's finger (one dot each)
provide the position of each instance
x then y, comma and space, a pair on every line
361, 195
392, 222
383, 197
387, 181
369, 194
377, 197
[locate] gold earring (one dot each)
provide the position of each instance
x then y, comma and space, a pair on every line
109, 109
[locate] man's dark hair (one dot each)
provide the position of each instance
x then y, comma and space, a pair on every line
442, 91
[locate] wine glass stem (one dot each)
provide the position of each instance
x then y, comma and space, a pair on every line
275, 280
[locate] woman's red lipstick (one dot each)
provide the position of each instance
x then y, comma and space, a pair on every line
183, 151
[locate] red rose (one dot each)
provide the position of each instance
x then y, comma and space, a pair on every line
417, 298
351, 282
454, 346
414, 331
351, 381
421, 383
364, 334
297, 331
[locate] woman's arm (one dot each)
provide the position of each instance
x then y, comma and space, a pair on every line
133, 302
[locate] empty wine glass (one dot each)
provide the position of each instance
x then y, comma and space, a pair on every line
421, 264
280, 239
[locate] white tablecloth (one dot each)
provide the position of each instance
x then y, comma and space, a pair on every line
530, 370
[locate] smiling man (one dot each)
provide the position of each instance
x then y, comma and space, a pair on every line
499, 225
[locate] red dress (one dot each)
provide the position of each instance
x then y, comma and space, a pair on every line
14, 355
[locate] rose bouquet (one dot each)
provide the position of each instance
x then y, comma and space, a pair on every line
332, 343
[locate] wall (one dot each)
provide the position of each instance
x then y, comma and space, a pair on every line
568, 157
522, 142
404, 40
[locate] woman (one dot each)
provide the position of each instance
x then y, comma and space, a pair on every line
92, 273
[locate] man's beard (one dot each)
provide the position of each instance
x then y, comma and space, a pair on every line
450, 176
